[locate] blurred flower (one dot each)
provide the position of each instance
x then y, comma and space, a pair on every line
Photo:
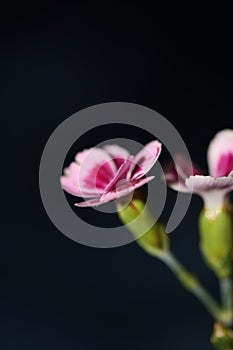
216, 219
184, 177
222, 337
109, 173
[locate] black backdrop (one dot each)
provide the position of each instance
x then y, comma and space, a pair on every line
60, 58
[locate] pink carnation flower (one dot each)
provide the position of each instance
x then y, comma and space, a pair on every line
109, 173
183, 177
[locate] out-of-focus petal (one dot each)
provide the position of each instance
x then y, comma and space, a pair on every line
199, 184
220, 154
146, 158
212, 190
186, 168
177, 171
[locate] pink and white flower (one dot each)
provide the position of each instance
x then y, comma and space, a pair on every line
108, 174
183, 177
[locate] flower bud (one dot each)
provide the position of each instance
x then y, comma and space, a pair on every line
150, 234
216, 239
222, 338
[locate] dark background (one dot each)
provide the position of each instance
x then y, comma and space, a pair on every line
60, 58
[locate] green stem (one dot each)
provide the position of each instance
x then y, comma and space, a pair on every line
226, 290
192, 284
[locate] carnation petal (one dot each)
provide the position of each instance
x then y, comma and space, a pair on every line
69, 182
118, 154
96, 171
90, 203
125, 188
121, 191
146, 158
199, 183
220, 154
177, 171
122, 174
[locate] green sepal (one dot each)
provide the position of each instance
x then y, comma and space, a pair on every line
216, 240
222, 338
141, 223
